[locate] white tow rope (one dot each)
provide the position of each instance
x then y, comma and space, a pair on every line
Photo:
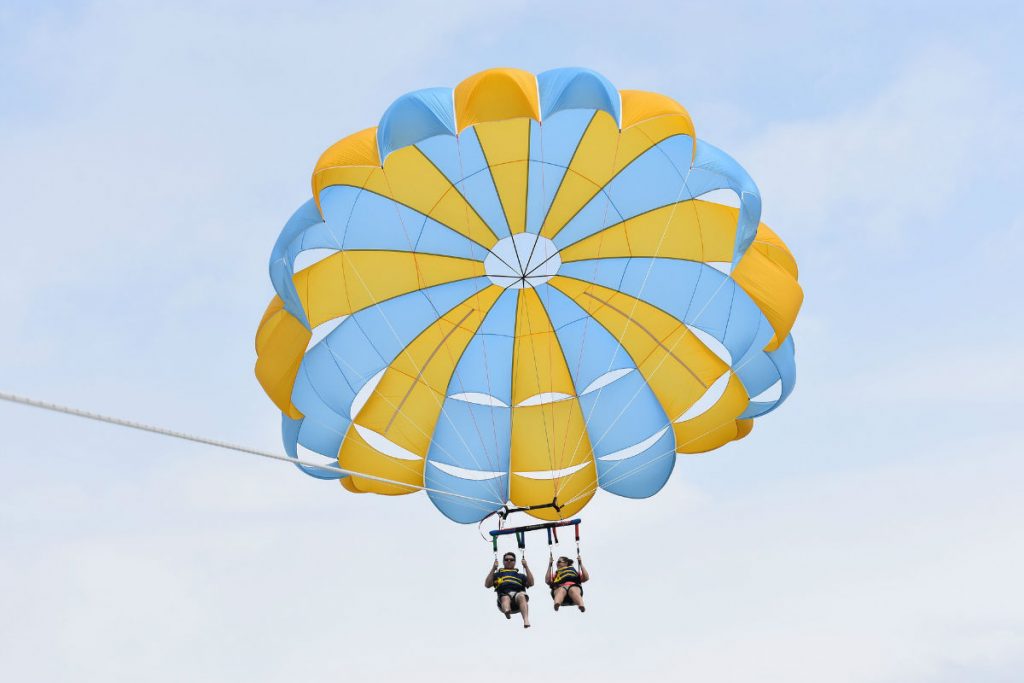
23, 400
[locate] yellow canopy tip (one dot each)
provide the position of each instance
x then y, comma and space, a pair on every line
358, 149
494, 95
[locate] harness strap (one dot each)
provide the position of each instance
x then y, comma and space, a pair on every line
505, 510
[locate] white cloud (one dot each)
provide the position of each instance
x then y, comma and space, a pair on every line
891, 168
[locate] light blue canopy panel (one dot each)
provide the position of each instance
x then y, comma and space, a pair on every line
574, 88
772, 367
415, 117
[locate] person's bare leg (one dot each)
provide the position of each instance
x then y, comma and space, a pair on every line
576, 596
505, 605
524, 608
559, 597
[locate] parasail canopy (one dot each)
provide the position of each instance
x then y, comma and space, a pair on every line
525, 289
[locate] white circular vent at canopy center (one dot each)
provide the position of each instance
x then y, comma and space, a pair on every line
521, 261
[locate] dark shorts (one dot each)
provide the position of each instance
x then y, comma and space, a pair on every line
512, 595
566, 585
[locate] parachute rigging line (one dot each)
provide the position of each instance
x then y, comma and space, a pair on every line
644, 466
53, 407
629, 317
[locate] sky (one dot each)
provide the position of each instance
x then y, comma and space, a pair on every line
866, 532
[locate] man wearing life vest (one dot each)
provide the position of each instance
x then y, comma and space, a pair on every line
566, 582
510, 586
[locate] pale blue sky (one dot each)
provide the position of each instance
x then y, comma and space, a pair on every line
868, 531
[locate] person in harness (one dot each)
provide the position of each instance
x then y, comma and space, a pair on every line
566, 582
510, 586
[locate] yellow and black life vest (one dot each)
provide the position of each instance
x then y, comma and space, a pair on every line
508, 580
566, 574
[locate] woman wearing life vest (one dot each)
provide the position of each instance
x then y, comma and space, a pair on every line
565, 581
511, 585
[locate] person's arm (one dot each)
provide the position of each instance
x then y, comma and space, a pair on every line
549, 577
584, 575
529, 574
489, 581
